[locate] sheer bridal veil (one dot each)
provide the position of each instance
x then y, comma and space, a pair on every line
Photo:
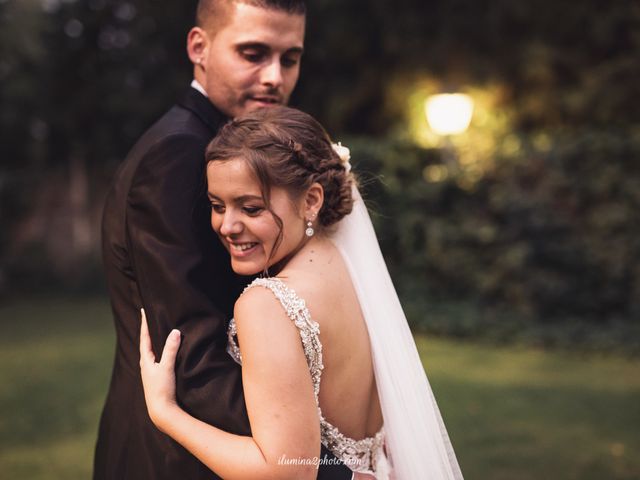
417, 442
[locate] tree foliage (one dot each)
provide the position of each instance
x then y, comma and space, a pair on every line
547, 228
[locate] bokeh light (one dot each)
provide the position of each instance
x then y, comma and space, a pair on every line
449, 113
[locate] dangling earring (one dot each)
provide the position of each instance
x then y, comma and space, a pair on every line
309, 231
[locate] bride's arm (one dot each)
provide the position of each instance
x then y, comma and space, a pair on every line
278, 393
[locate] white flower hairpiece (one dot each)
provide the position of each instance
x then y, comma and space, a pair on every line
344, 154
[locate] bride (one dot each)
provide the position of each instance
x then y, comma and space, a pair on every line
326, 353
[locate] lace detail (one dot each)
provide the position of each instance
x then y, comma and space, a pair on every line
358, 455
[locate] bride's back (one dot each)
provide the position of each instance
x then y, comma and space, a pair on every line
348, 394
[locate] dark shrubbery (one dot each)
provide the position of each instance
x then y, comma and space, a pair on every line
549, 239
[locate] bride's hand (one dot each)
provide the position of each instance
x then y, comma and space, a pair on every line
158, 379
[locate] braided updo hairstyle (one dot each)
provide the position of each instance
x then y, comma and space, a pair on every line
289, 149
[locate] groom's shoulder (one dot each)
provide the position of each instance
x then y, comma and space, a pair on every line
191, 117
177, 126
178, 121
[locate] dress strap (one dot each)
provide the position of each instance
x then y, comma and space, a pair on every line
309, 330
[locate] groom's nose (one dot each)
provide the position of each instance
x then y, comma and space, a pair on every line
271, 74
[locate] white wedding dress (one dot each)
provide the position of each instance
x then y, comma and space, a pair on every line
413, 443
363, 455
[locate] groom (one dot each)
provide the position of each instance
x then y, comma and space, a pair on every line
160, 252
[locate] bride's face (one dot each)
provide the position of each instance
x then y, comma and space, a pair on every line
246, 228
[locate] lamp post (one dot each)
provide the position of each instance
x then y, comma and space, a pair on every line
449, 114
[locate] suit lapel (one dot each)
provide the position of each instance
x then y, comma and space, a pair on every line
200, 105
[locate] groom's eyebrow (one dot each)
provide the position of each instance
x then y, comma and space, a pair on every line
265, 47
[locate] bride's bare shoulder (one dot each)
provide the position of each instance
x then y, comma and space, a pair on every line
256, 299
320, 278
259, 314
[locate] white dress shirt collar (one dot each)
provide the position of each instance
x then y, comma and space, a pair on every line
195, 84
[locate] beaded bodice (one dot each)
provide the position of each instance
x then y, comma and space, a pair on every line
359, 455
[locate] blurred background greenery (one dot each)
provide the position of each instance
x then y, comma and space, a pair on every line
522, 230
513, 413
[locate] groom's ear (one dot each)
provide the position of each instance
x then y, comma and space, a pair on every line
197, 44
313, 200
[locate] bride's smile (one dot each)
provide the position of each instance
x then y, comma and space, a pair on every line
241, 249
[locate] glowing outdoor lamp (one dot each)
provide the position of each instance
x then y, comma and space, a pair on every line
449, 113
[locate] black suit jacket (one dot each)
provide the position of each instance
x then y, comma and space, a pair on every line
160, 252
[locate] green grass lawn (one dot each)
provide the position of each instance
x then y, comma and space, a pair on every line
512, 413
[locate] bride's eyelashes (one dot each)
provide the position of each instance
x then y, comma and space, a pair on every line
250, 210
217, 207
253, 211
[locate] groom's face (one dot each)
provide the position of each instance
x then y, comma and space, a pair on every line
253, 60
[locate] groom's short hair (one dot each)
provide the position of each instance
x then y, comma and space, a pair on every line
212, 15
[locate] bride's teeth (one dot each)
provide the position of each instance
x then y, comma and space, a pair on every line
244, 247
